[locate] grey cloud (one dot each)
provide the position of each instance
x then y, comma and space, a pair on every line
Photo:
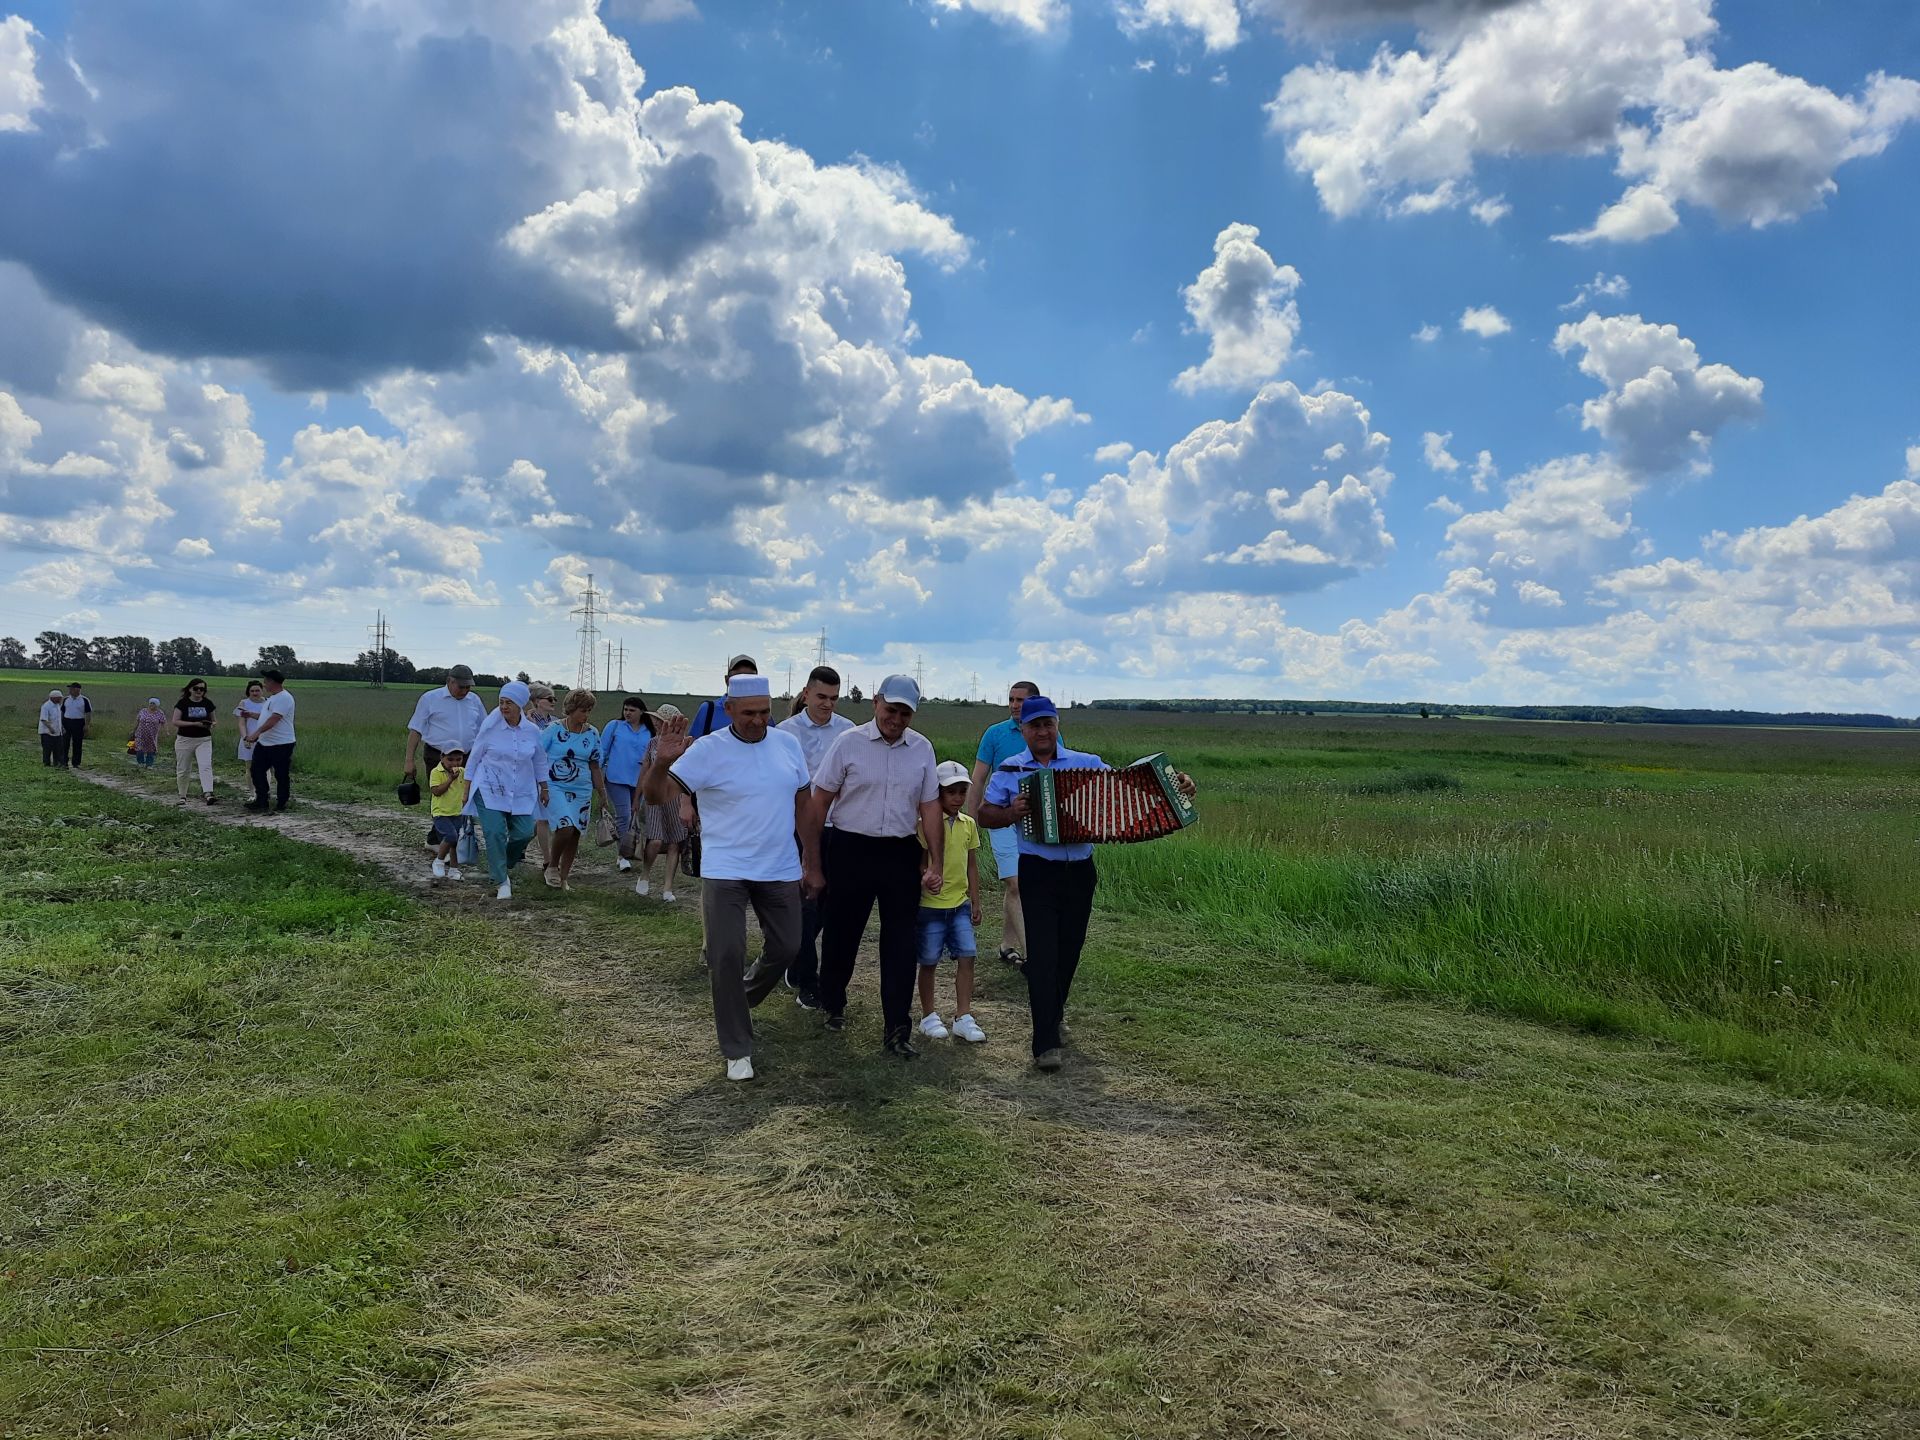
1320, 17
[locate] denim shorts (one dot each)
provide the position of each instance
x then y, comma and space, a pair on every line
945, 932
448, 827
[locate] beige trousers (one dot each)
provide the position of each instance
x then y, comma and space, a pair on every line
187, 751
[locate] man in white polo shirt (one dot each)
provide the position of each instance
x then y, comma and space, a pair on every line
750, 782
877, 787
272, 740
446, 718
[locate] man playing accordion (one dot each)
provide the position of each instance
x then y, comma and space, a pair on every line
1056, 881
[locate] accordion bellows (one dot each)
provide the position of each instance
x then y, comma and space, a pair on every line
1071, 807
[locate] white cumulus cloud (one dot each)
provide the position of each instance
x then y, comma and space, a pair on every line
1243, 303
1484, 321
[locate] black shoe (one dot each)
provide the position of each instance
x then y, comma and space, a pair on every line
211, 799
1049, 1059
258, 807
836, 1022
1014, 958
282, 809
806, 999
900, 1042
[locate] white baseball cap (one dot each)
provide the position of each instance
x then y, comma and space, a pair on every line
899, 690
951, 772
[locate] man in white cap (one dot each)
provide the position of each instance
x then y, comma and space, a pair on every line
52, 733
750, 782
445, 718
877, 786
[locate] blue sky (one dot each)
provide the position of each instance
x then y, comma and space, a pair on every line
1493, 349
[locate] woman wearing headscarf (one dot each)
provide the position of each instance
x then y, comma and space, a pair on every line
507, 783
50, 731
192, 721
575, 779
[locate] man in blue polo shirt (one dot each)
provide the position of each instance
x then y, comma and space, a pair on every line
998, 745
1056, 881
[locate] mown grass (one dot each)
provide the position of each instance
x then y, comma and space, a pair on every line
260, 1116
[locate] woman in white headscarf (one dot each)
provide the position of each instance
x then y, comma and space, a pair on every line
507, 783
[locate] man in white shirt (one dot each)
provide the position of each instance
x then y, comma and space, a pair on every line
877, 787
272, 740
750, 782
816, 726
52, 732
76, 715
446, 718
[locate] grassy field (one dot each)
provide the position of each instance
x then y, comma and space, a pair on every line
1618, 1141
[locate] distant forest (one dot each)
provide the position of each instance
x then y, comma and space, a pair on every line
184, 655
1596, 714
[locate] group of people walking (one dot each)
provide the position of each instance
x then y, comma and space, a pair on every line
263, 715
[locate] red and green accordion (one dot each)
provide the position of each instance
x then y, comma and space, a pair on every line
1118, 807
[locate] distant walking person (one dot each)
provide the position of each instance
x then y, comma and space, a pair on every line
750, 781
53, 740
623, 750
76, 720
247, 712
875, 789
192, 722
999, 744
447, 717
146, 731
816, 724
507, 783
273, 739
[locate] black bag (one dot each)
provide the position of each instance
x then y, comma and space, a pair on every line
690, 855
409, 791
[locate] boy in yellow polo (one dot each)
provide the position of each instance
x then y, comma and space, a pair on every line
449, 785
947, 919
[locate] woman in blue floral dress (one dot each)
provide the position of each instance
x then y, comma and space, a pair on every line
574, 780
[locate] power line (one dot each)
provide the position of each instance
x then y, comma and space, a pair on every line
622, 655
589, 635
379, 628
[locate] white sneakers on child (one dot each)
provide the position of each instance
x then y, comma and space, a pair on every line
623, 865
453, 873
640, 886
741, 1069
505, 892
668, 896
932, 1028
439, 868
967, 1028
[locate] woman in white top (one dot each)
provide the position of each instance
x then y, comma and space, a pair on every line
507, 783
50, 731
247, 712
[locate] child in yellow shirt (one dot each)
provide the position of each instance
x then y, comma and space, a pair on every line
449, 785
947, 919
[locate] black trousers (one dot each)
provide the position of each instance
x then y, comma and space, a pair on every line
1056, 901
863, 871
50, 748
275, 760
73, 735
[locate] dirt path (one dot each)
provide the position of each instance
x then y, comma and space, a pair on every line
777, 1260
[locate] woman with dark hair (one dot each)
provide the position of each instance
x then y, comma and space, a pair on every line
247, 712
192, 722
623, 746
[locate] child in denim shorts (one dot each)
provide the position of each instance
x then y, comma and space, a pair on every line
947, 919
449, 785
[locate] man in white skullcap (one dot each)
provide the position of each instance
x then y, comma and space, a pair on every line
52, 733
750, 782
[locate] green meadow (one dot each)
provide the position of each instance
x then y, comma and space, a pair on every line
1450, 1078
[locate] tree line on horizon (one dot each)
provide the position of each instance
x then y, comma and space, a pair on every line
186, 655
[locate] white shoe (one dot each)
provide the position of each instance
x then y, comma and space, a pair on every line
967, 1028
640, 886
667, 895
439, 868
932, 1028
741, 1069
505, 892
624, 865
452, 873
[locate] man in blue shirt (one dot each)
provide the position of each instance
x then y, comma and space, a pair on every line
712, 714
998, 745
1056, 881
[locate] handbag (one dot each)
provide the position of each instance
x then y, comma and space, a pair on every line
466, 850
690, 856
409, 791
603, 828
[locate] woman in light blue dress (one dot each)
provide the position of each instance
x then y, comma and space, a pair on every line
574, 781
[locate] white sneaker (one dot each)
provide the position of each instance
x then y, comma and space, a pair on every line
505, 892
640, 886
624, 865
667, 895
932, 1028
439, 868
452, 873
741, 1069
967, 1028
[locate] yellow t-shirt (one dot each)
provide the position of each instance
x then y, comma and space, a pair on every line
455, 800
963, 837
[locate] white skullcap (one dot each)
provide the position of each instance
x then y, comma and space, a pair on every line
741, 685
